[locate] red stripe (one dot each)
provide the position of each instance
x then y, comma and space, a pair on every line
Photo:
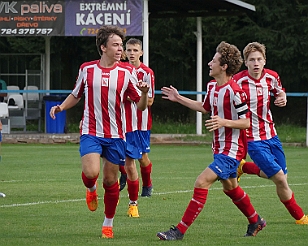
104, 105
92, 122
227, 115
139, 121
120, 84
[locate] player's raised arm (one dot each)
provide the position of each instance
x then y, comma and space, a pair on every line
172, 94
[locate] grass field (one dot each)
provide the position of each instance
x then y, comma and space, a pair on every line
45, 201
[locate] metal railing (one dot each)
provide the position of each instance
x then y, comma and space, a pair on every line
48, 92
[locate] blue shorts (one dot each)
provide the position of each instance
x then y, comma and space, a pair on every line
268, 155
113, 149
0, 136
224, 166
133, 149
145, 141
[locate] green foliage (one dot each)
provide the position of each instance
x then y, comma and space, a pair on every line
281, 26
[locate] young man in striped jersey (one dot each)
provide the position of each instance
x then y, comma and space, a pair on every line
264, 146
229, 119
104, 83
143, 125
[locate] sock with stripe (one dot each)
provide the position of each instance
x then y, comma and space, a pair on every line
242, 201
193, 209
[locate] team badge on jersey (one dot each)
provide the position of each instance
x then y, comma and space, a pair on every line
105, 81
215, 101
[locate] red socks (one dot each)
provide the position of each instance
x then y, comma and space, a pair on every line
251, 168
146, 175
293, 208
111, 198
133, 189
194, 208
89, 183
242, 201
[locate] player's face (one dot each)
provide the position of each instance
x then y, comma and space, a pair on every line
133, 53
114, 48
214, 65
255, 63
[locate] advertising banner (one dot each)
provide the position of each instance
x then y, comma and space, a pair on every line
32, 18
85, 18
69, 18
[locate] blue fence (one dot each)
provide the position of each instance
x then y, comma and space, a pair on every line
290, 94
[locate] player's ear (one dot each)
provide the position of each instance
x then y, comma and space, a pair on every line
103, 48
224, 67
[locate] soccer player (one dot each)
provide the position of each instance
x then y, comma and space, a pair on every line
133, 52
104, 83
264, 146
229, 117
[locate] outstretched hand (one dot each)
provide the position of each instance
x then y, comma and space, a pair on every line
170, 93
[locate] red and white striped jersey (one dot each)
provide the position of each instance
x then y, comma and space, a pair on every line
228, 102
130, 119
104, 90
258, 99
146, 74
135, 118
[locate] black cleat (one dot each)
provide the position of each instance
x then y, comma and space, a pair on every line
172, 234
253, 229
122, 181
147, 191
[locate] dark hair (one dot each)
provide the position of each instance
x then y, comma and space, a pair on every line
104, 33
231, 56
134, 41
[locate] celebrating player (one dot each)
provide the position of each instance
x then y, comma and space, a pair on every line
104, 83
229, 117
264, 146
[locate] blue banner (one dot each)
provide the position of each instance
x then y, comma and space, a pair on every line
85, 18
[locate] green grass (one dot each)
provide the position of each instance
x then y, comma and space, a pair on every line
45, 202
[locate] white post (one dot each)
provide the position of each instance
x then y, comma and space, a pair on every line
145, 59
26, 87
199, 74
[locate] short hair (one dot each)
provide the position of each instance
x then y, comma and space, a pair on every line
104, 33
252, 47
231, 56
134, 41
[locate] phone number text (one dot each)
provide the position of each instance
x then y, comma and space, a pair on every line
26, 31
